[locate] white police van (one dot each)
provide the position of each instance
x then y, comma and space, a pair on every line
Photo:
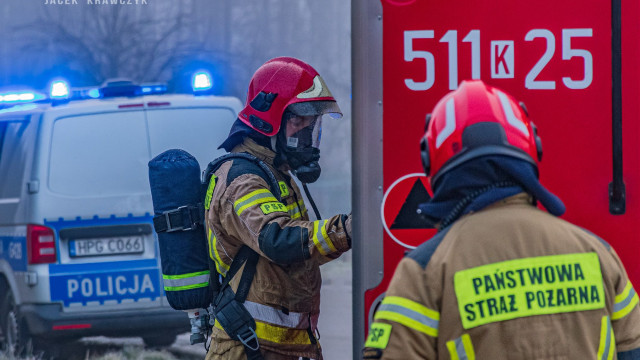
78, 255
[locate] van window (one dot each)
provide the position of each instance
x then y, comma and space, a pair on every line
16, 149
199, 131
99, 154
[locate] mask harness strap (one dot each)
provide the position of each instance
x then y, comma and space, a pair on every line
313, 204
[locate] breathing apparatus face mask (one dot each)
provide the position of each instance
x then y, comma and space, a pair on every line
298, 142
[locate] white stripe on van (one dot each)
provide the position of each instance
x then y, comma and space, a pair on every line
9, 201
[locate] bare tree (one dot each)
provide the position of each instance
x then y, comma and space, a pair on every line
114, 42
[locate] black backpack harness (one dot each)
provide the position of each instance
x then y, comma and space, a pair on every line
228, 307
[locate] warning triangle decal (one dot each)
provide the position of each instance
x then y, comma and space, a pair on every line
408, 218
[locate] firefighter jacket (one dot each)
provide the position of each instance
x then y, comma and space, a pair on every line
508, 282
284, 297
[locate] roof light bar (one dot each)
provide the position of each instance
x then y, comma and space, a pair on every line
19, 97
94, 93
151, 89
59, 92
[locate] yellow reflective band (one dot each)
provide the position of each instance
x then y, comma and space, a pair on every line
301, 206
209, 196
185, 276
461, 348
315, 239
294, 211
282, 335
253, 198
451, 346
378, 336
410, 314
271, 207
186, 281
527, 287
625, 293
209, 238
321, 239
284, 190
625, 302
325, 236
607, 340
215, 256
277, 334
412, 305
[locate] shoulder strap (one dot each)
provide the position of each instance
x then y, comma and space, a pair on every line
215, 165
244, 255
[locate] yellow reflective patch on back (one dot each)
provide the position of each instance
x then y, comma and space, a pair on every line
284, 190
378, 336
209, 196
527, 287
271, 207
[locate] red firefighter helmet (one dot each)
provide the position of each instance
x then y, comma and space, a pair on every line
477, 120
285, 83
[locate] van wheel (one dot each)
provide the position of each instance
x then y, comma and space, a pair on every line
159, 341
15, 341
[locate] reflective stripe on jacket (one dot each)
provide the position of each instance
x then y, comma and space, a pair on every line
284, 297
508, 282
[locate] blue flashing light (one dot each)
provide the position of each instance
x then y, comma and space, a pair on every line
19, 97
94, 93
201, 81
151, 89
59, 90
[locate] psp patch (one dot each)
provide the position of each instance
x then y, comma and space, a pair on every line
378, 336
271, 207
284, 190
527, 287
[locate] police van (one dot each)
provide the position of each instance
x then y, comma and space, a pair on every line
78, 254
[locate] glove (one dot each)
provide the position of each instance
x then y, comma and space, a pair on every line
347, 228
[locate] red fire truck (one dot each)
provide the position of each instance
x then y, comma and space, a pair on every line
573, 62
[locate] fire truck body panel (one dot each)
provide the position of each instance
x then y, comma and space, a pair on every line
559, 57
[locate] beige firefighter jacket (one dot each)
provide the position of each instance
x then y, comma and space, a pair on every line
284, 297
508, 282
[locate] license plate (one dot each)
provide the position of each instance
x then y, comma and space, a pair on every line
106, 246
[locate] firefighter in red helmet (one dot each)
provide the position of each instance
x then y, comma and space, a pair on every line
254, 203
501, 279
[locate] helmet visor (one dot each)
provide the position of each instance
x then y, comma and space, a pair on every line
303, 132
318, 107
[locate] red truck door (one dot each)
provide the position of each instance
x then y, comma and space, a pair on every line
573, 63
